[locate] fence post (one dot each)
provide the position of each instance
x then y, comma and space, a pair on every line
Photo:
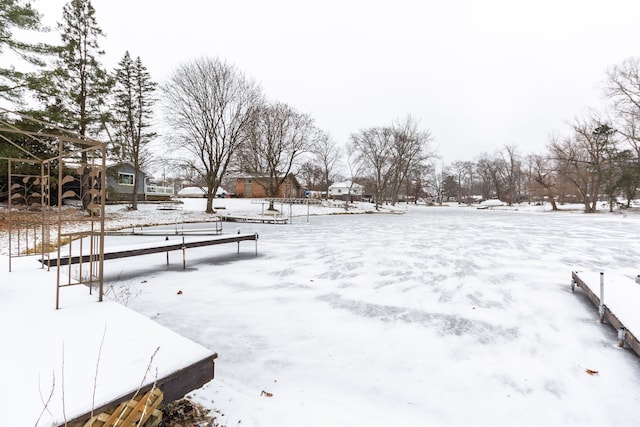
184, 255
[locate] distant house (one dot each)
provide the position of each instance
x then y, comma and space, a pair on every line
121, 180
346, 190
254, 187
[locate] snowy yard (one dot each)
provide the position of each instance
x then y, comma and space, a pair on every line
438, 317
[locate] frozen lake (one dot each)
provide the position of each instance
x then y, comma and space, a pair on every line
440, 316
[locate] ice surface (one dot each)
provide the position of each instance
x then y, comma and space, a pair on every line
441, 316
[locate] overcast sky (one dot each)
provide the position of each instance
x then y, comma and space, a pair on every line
479, 74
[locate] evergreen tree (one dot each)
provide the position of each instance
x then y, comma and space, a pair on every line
15, 14
134, 99
82, 82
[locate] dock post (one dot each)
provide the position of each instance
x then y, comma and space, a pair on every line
601, 308
573, 284
184, 255
621, 336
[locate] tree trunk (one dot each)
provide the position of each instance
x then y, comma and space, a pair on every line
134, 194
210, 203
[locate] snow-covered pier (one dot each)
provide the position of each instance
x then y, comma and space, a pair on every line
147, 250
617, 298
262, 219
65, 366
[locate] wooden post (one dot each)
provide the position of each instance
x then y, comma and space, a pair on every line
601, 308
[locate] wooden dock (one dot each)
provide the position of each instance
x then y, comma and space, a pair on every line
173, 387
264, 219
235, 238
175, 231
102, 363
617, 299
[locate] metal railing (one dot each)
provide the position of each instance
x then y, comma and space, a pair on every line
156, 189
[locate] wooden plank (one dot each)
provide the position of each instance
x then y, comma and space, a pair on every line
633, 343
178, 384
131, 413
151, 250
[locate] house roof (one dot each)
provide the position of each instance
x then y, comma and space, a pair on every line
345, 184
116, 165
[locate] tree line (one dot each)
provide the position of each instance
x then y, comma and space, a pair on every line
220, 122
597, 160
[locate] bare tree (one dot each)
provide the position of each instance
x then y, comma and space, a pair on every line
418, 180
470, 178
327, 155
208, 104
510, 169
460, 171
311, 175
501, 174
486, 170
449, 185
542, 172
409, 146
356, 165
373, 148
623, 87
586, 158
276, 136
436, 183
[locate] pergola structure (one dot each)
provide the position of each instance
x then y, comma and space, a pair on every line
50, 194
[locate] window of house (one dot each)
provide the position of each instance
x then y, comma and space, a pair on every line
125, 178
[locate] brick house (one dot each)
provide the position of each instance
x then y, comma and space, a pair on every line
254, 187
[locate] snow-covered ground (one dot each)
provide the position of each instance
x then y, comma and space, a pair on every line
441, 316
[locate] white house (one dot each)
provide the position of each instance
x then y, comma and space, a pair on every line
199, 192
346, 189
